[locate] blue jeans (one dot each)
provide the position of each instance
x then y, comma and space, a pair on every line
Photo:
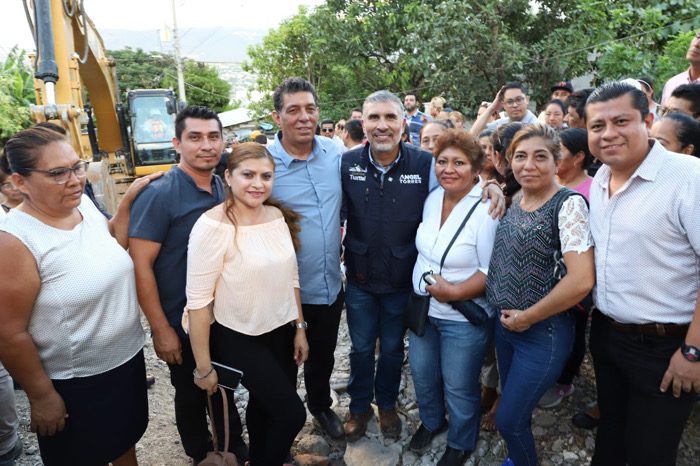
371, 316
529, 363
445, 364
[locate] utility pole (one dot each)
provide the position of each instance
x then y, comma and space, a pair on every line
178, 60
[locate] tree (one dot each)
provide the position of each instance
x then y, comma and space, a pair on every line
652, 38
16, 94
137, 69
465, 50
203, 85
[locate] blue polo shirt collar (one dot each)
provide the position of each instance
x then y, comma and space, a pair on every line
287, 159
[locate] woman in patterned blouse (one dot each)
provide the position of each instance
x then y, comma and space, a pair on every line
536, 331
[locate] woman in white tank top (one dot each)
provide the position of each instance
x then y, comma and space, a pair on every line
69, 319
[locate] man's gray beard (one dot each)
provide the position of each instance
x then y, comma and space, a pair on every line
385, 146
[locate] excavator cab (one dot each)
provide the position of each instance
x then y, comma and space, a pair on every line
152, 126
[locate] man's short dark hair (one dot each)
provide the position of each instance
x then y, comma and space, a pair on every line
413, 94
260, 139
199, 112
354, 129
292, 86
513, 85
614, 90
691, 93
328, 121
356, 109
577, 100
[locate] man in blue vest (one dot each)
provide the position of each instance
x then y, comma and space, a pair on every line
384, 186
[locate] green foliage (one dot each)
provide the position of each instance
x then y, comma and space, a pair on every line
672, 59
466, 50
16, 94
202, 85
650, 38
137, 69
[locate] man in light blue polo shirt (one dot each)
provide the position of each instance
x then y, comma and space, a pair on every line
307, 179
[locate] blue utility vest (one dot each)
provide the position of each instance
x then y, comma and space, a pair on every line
383, 214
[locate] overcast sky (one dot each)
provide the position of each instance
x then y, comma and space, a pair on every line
155, 14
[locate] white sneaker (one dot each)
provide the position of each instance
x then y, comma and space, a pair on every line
555, 394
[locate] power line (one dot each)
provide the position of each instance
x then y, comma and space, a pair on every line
200, 89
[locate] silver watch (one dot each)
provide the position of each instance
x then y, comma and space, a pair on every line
300, 324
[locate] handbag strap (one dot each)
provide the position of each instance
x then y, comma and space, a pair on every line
459, 230
215, 439
567, 193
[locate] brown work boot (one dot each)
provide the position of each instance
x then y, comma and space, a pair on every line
389, 422
356, 425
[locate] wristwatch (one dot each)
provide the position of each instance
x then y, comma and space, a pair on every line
304, 325
690, 353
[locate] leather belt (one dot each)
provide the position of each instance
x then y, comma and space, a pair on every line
647, 329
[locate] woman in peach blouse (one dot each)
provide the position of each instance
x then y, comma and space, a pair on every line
243, 253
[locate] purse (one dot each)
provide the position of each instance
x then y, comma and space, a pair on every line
415, 314
475, 314
216, 457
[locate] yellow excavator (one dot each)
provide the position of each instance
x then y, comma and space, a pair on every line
70, 66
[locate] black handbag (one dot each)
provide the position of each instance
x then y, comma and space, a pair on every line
415, 314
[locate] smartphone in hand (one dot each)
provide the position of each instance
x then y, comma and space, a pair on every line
228, 376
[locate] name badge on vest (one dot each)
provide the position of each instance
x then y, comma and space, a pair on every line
357, 173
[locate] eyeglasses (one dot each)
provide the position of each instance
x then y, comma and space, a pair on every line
340, 127
62, 175
513, 102
6, 187
663, 111
327, 130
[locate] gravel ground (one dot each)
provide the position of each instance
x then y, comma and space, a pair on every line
558, 441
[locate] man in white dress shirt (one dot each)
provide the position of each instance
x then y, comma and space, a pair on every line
646, 332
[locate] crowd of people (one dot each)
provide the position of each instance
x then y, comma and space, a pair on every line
510, 235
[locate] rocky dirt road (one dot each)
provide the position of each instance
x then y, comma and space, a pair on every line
558, 441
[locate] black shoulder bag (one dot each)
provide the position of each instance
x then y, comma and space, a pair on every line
416, 312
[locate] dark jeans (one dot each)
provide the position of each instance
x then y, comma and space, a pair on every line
529, 362
579, 350
639, 425
191, 409
371, 316
275, 413
322, 336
